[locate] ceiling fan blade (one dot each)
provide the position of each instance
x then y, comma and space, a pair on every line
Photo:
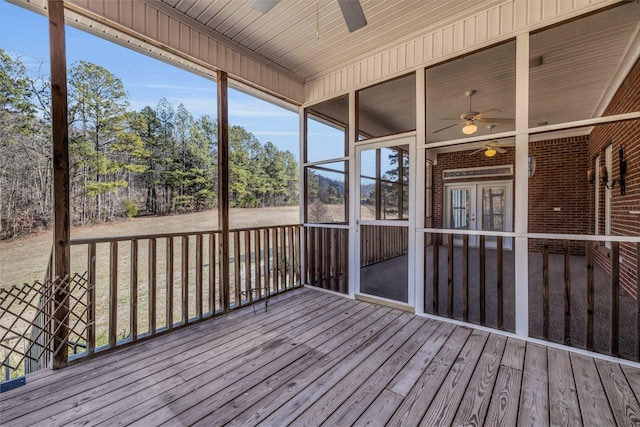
486, 113
495, 120
477, 151
264, 6
353, 14
448, 127
500, 150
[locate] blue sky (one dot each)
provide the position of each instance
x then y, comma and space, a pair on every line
24, 34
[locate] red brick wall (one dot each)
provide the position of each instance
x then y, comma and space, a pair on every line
627, 136
559, 182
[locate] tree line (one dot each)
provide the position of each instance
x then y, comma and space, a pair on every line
158, 160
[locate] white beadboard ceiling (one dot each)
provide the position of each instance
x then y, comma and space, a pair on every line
309, 37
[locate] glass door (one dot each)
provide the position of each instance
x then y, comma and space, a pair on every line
485, 206
383, 219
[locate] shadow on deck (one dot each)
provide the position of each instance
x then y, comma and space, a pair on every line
316, 358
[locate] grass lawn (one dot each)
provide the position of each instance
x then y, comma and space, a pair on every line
25, 260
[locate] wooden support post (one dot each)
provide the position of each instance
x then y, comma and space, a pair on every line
60, 132
223, 184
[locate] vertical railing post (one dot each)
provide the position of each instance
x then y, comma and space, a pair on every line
615, 297
91, 299
185, 279
450, 276
113, 293
169, 284
60, 157
590, 295
567, 293
483, 280
199, 270
213, 247
500, 280
133, 291
545, 289
152, 286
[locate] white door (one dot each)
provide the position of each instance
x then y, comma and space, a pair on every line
484, 206
383, 218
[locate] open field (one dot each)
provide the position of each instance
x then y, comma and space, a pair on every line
25, 260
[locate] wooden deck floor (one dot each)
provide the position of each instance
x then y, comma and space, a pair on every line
315, 359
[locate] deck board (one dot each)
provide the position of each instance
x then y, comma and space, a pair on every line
623, 404
564, 410
534, 399
477, 396
319, 359
591, 396
445, 404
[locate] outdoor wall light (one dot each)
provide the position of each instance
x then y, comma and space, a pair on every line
470, 128
604, 177
623, 170
591, 176
604, 174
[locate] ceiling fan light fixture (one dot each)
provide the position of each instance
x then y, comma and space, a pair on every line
490, 152
470, 128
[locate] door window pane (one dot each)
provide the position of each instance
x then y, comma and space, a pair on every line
493, 204
459, 208
384, 191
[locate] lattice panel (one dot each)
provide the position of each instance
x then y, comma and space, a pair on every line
28, 324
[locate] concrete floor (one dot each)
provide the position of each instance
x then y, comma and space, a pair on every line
388, 279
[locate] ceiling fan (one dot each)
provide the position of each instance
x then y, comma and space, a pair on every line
490, 148
351, 11
470, 119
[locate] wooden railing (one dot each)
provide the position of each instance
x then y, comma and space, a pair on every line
147, 284
327, 258
467, 282
585, 294
582, 290
380, 243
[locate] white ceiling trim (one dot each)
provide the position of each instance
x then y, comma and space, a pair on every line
486, 28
